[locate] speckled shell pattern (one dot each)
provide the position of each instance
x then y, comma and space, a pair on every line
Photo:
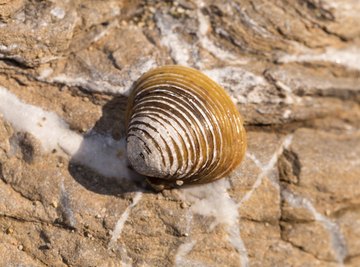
182, 127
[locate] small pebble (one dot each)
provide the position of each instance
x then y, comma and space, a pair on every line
59, 164
54, 204
180, 10
184, 205
87, 234
20, 247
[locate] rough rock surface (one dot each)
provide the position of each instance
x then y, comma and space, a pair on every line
67, 196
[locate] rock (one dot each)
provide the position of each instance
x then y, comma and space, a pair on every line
28, 145
68, 195
9, 8
325, 194
39, 32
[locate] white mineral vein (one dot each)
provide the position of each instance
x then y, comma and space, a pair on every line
178, 48
96, 151
98, 81
208, 44
182, 252
348, 57
338, 241
66, 205
116, 233
242, 85
265, 169
126, 260
213, 200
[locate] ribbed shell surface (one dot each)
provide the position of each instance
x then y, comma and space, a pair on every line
183, 126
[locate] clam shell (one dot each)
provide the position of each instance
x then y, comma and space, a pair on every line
182, 128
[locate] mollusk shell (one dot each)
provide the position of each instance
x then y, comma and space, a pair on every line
182, 128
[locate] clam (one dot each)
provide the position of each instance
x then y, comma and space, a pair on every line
182, 128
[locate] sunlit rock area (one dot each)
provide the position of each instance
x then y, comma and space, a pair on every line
68, 196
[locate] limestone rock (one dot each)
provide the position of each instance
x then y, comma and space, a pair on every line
68, 196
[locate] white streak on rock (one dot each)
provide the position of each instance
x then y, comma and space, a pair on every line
213, 200
184, 249
238, 243
116, 233
290, 98
248, 21
189, 218
206, 43
287, 114
102, 153
125, 261
182, 252
4, 48
134, 73
66, 205
244, 86
337, 239
96, 151
267, 168
58, 12
348, 57
179, 49
102, 82
103, 33
46, 72
88, 83
45, 126
254, 159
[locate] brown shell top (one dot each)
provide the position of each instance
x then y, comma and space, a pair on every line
182, 128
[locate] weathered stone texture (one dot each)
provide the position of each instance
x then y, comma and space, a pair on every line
67, 196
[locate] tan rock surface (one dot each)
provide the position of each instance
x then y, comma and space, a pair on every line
67, 195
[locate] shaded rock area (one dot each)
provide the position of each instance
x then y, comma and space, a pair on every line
67, 194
